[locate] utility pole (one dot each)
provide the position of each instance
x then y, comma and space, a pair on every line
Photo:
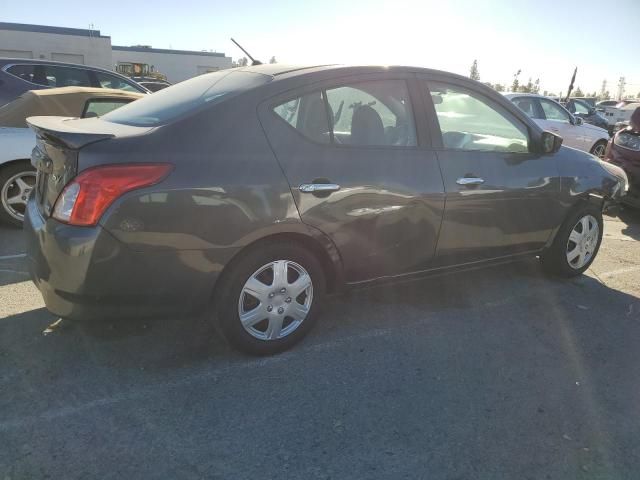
603, 90
621, 84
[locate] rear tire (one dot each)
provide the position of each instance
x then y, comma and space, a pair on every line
261, 287
599, 148
17, 179
576, 244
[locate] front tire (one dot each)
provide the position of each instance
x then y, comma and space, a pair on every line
269, 299
576, 244
17, 179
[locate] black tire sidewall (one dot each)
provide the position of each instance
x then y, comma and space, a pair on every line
7, 171
555, 260
233, 281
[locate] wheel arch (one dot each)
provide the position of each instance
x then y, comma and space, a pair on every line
8, 163
600, 140
586, 198
312, 240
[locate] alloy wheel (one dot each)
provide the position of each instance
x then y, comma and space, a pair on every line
599, 150
275, 300
583, 241
15, 193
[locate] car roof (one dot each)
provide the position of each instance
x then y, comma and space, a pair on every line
523, 94
4, 61
34, 61
281, 71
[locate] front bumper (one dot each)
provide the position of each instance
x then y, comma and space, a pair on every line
84, 273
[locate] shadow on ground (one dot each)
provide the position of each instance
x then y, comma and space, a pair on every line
631, 217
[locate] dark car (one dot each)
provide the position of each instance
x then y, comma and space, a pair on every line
263, 188
587, 112
624, 150
19, 75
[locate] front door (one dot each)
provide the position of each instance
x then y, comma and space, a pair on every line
559, 121
358, 171
500, 197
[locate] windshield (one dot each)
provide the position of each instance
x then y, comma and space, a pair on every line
185, 97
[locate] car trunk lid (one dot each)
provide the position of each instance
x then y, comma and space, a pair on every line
55, 156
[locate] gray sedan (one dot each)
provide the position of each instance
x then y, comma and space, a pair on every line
261, 189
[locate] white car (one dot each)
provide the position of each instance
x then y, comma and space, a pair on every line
552, 116
17, 176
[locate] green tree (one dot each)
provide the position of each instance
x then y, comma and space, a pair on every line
577, 92
273, 60
473, 73
536, 86
498, 87
516, 82
528, 88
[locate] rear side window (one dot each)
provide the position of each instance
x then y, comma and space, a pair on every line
26, 73
186, 97
111, 81
308, 115
96, 107
469, 121
66, 77
528, 106
376, 113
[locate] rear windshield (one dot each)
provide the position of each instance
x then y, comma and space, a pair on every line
185, 97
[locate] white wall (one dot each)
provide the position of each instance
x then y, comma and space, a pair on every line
95, 51
176, 66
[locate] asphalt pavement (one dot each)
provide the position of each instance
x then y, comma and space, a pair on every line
501, 373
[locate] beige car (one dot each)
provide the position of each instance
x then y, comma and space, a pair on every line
17, 176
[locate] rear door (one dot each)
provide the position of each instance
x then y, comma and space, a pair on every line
500, 197
360, 172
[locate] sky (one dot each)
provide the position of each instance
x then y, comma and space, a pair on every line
544, 39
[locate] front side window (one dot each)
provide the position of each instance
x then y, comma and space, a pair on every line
578, 107
471, 122
96, 107
376, 113
553, 111
66, 77
111, 81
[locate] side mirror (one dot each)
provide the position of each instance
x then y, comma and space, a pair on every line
578, 121
550, 142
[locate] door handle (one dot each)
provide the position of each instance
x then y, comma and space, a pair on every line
554, 130
470, 181
318, 187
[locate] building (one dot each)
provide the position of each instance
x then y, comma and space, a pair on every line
90, 47
73, 45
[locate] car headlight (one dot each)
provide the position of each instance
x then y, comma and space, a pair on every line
617, 172
627, 140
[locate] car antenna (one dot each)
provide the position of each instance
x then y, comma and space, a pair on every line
253, 60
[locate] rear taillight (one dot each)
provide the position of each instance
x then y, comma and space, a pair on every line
86, 197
